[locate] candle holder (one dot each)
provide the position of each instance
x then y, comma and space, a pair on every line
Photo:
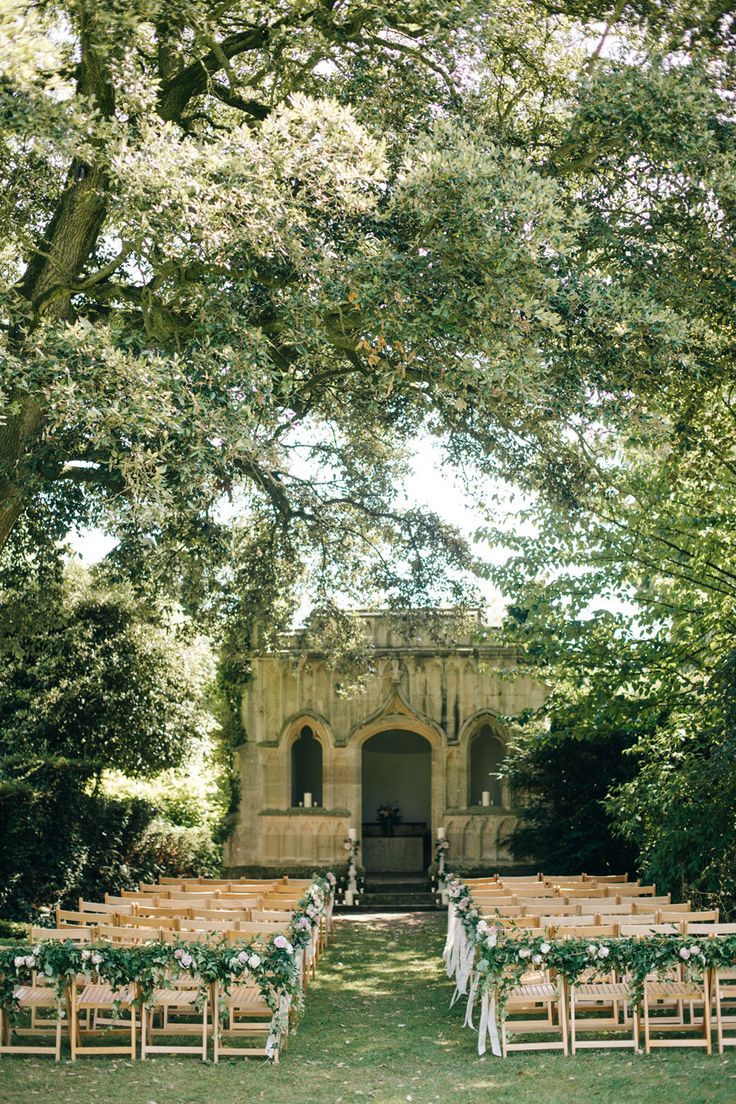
441, 847
352, 846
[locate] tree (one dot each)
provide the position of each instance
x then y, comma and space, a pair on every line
254, 249
644, 514
89, 682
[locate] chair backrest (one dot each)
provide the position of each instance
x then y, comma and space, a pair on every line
123, 921
61, 935
631, 889
531, 889
649, 903
585, 890
551, 908
587, 931
517, 921
207, 925
497, 903
520, 878
705, 916
563, 879
611, 906
663, 905
170, 936
269, 914
586, 919
129, 935
640, 920
162, 912
102, 907
67, 918
698, 928
604, 879
650, 929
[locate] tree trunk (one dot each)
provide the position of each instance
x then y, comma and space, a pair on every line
56, 264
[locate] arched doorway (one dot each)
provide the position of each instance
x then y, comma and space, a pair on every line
396, 775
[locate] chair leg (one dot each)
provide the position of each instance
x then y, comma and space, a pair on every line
57, 1052
205, 1016
707, 1012
647, 1046
719, 1017
562, 1008
73, 1025
572, 1020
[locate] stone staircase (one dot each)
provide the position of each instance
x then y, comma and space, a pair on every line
395, 893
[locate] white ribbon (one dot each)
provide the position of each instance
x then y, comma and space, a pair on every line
471, 1001
451, 924
488, 1026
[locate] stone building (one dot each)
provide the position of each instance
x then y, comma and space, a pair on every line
423, 734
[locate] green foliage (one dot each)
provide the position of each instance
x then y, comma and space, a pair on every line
165, 848
91, 680
269, 249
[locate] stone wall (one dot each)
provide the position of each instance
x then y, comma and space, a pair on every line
443, 693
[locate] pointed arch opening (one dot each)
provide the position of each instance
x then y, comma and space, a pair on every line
306, 767
487, 752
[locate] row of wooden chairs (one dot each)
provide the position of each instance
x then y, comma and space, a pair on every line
675, 1011
178, 1009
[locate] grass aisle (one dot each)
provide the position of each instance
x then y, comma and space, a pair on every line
378, 1028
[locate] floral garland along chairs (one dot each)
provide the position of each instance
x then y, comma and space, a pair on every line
246, 982
595, 980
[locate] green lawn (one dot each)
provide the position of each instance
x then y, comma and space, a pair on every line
378, 1028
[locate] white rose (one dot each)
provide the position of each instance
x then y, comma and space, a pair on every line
536, 959
96, 958
524, 952
30, 961
684, 953
695, 949
592, 950
544, 947
603, 952
254, 961
85, 955
482, 927
19, 960
243, 956
186, 960
491, 940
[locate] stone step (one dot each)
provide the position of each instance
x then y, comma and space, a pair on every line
396, 902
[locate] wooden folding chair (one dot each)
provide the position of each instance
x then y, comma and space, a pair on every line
184, 1011
34, 999
88, 999
541, 1003
247, 1025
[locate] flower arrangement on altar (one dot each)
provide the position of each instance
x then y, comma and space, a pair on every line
388, 817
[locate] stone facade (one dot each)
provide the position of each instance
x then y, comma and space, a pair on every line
446, 694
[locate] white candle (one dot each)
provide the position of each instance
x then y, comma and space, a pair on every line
352, 833
307, 801
486, 797
440, 833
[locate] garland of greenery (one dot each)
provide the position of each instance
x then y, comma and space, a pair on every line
504, 954
271, 963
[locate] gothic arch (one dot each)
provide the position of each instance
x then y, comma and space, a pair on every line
291, 733
483, 744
